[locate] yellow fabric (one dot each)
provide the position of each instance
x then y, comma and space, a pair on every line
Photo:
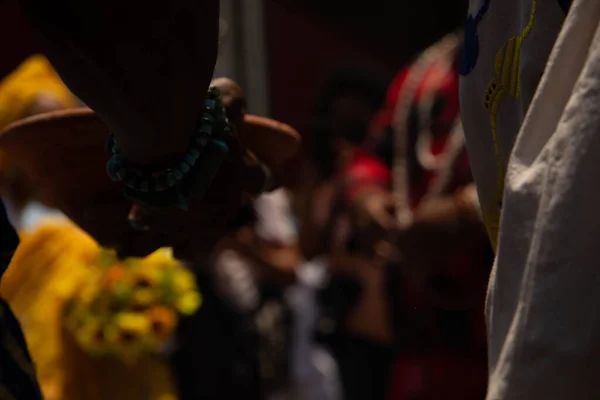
18, 91
506, 81
49, 265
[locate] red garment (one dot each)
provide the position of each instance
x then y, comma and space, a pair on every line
423, 110
364, 171
438, 375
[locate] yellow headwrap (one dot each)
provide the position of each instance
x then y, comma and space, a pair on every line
19, 90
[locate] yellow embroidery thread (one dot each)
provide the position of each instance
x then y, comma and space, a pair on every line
506, 81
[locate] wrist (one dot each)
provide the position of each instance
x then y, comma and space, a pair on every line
157, 153
180, 177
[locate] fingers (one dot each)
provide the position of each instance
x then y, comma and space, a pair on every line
384, 217
381, 210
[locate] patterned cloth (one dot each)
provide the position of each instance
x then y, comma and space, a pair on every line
17, 374
506, 48
421, 125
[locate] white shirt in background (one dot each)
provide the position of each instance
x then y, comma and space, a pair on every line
314, 370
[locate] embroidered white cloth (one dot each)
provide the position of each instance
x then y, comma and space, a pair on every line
544, 296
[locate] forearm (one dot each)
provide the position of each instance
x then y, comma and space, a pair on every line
137, 77
449, 212
447, 223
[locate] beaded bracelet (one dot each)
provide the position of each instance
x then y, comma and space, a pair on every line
171, 185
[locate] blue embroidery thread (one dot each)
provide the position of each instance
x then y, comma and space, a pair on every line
565, 5
470, 51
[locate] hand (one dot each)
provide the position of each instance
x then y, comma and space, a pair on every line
374, 211
140, 65
374, 219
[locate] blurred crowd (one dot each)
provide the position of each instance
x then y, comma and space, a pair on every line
365, 279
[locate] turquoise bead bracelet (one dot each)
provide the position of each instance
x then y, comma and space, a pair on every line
171, 186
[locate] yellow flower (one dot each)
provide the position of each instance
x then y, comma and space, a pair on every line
90, 336
114, 275
131, 337
132, 325
162, 321
183, 281
146, 276
163, 257
188, 303
106, 258
144, 297
111, 334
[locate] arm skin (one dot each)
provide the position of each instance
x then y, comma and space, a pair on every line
142, 65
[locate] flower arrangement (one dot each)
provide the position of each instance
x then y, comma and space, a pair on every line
132, 306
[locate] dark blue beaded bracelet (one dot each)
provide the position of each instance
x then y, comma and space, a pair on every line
213, 121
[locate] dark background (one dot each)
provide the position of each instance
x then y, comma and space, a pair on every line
306, 39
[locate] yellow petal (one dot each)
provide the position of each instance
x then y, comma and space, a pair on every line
189, 303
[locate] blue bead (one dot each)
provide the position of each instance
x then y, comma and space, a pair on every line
221, 145
210, 104
205, 128
190, 159
184, 167
201, 140
122, 173
208, 117
112, 168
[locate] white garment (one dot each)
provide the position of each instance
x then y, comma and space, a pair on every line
275, 222
544, 296
235, 282
30, 216
314, 370
315, 374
